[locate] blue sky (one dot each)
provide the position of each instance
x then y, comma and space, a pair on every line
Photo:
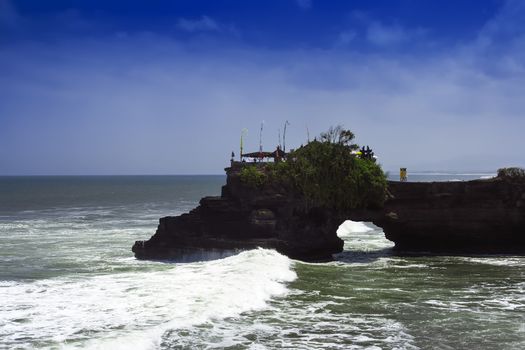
165, 87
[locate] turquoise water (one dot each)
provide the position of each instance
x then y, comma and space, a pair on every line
69, 280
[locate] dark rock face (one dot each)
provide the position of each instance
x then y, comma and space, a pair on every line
482, 216
245, 218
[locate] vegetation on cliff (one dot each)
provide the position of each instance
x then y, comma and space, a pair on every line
512, 173
326, 172
253, 176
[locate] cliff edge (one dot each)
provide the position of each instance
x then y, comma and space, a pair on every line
480, 216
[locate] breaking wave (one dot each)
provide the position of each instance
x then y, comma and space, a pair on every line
135, 309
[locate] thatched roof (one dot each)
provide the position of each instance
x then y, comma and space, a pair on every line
278, 153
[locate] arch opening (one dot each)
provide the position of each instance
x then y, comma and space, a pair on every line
363, 241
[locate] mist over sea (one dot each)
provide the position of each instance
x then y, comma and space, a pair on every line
68, 279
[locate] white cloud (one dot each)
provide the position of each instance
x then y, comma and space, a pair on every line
345, 38
382, 35
508, 22
500, 45
8, 14
202, 24
421, 112
147, 101
304, 4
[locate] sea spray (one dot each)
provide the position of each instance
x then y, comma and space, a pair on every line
367, 299
363, 240
349, 227
138, 308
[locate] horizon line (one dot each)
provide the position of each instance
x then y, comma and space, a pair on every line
413, 172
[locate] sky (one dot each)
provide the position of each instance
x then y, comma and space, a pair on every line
166, 86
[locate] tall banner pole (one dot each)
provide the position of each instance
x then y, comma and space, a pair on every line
307, 134
284, 136
243, 132
260, 137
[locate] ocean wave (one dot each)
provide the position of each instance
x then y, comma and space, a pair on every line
364, 242
349, 227
296, 323
135, 309
508, 261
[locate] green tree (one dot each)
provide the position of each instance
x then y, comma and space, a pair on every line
331, 175
327, 173
252, 176
338, 135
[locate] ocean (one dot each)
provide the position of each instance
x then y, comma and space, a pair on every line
68, 280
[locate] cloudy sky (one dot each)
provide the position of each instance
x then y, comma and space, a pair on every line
166, 86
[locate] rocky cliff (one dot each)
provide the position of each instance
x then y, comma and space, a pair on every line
482, 216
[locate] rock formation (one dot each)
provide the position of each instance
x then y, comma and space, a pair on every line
481, 216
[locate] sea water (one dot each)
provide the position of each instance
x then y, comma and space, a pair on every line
68, 279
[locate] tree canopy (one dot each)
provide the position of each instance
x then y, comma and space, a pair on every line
328, 173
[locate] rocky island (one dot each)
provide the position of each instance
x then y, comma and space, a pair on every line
257, 208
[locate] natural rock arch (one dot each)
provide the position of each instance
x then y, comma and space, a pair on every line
480, 216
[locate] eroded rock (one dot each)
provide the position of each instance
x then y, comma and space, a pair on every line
481, 216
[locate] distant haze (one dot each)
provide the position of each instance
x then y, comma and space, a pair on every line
98, 89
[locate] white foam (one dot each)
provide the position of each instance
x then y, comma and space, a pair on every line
509, 261
348, 227
133, 310
363, 240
